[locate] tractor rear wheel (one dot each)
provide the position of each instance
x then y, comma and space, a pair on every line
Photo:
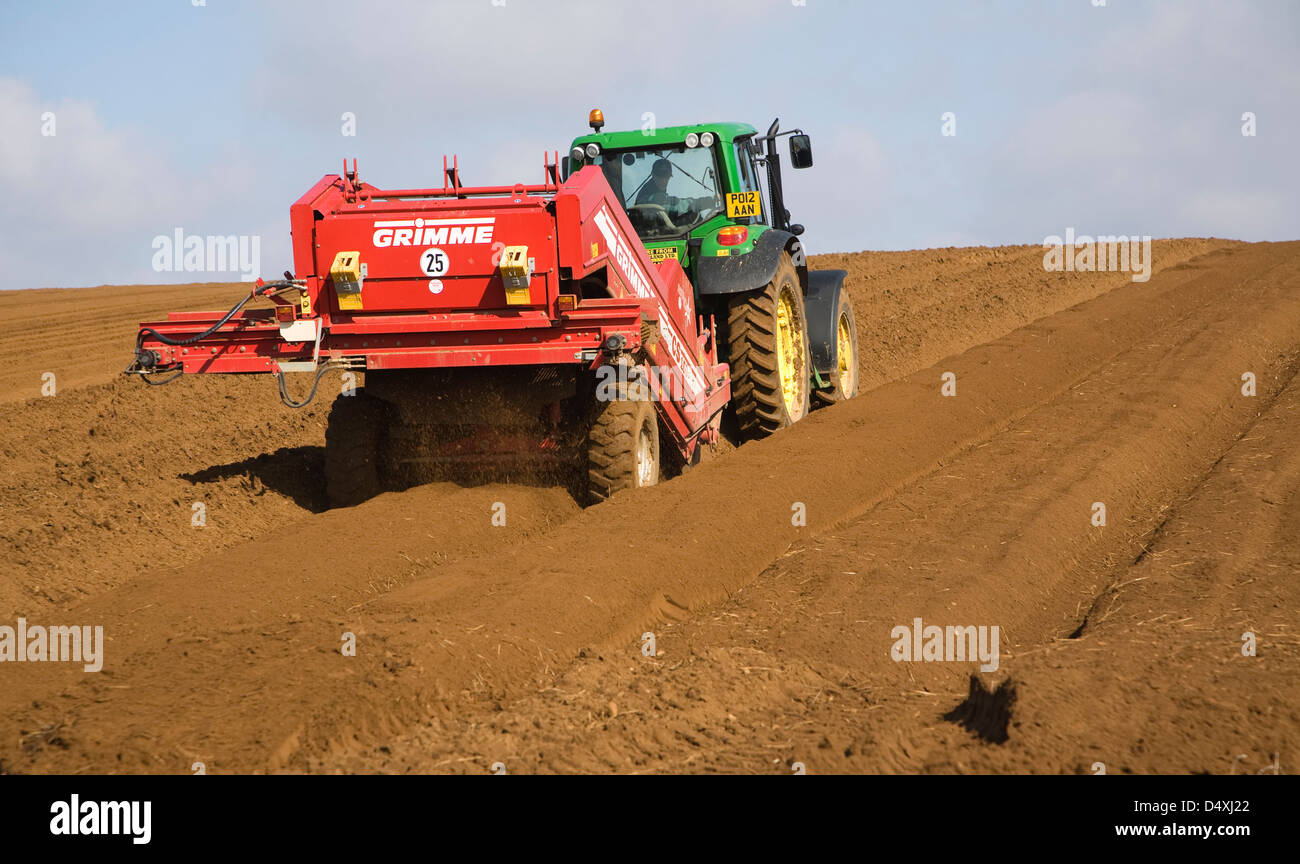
622, 447
768, 352
353, 440
844, 377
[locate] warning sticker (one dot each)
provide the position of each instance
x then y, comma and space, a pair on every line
662, 253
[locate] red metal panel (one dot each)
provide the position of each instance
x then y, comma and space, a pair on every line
433, 322
468, 243
593, 231
249, 343
392, 230
491, 355
302, 226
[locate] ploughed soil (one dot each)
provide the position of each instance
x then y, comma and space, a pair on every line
740, 618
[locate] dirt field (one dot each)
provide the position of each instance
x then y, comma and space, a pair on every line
523, 645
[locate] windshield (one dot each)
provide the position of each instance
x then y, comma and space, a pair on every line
666, 191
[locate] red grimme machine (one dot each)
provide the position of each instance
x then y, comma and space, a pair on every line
492, 323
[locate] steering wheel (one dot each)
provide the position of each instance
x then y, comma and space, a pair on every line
659, 212
705, 206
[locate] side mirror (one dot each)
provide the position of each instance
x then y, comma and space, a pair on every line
801, 151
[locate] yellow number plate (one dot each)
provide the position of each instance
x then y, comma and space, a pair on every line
661, 253
741, 204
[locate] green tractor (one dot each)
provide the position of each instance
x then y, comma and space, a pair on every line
711, 196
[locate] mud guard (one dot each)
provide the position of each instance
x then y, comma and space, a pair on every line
753, 270
820, 305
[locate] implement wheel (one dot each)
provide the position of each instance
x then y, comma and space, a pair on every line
768, 347
622, 447
353, 439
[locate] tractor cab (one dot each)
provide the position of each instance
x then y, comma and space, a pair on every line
692, 192
667, 191
710, 196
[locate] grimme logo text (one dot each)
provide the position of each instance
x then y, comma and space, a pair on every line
932, 643
433, 232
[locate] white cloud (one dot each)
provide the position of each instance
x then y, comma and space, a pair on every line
84, 177
83, 205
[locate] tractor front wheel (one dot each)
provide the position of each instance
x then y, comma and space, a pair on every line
768, 352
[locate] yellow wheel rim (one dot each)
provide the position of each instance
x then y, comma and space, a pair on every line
789, 341
844, 350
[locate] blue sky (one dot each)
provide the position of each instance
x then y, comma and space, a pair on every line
1122, 118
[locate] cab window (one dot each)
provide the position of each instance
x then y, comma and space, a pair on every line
667, 190
748, 175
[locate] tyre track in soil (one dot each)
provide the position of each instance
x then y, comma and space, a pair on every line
796, 667
97, 484
1161, 661
516, 616
77, 333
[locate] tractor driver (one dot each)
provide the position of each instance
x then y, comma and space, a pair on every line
656, 191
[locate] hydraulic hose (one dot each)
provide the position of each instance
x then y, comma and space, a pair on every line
284, 389
167, 380
256, 292
141, 363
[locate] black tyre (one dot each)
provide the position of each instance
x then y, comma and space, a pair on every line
353, 440
844, 377
622, 447
767, 335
